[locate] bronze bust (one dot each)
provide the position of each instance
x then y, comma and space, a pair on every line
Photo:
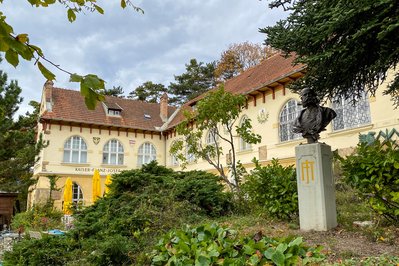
313, 118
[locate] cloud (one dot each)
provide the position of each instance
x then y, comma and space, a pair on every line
127, 48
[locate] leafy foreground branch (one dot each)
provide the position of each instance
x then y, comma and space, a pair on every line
15, 46
211, 244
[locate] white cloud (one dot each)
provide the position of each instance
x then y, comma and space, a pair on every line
127, 48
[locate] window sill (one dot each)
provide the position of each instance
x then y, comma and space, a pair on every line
350, 130
291, 142
75, 164
245, 151
114, 165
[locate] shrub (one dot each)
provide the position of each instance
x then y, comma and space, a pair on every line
50, 250
210, 244
39, 217
205, 191
273, 188
373, 171
122, 227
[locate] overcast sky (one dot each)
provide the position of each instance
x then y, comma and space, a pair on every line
127, 48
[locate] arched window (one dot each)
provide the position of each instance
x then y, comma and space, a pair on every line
351, 115
212, 138
146, 154
190, 157
113, 152
288, 115
75, 150
77, 194
174, 159
244, 145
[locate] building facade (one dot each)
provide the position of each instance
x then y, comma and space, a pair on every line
123, 134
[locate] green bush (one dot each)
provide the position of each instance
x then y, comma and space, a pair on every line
211, 244
203, 190
39, 217
373, 171
273, 188
122, 227
50, 250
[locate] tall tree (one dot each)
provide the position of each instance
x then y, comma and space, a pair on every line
148, 92
18, 146
115, 91
16, 46
239, 57
215, 118
348, 46
197, 79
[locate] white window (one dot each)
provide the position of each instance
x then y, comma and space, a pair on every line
75, 150
114, 112
113, 153
244, 145
212, 138
190, 157
288, 115
351, 115
146, 154
174, 159
77, 194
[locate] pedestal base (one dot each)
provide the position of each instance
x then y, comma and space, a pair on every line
316, 190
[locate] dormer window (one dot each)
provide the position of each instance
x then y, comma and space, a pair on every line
114, 112
147, 116
112, 109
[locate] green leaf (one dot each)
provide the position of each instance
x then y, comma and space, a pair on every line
282, 247
296, 242
23, 38
71, 15
396, 165
269, 253
3, 45
45, 72
99, 9
123, 3
202, 261
75, 78
278, 258
12, 57
37, 49
5, 29
93, 82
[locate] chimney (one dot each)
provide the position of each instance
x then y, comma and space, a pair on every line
164, 107
48, 92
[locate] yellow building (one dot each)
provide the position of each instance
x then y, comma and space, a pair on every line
123, 134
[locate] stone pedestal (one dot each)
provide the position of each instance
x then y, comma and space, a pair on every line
316, 190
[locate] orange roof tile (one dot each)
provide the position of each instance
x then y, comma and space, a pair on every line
69, 106
269, 71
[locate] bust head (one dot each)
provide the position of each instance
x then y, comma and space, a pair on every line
309, 98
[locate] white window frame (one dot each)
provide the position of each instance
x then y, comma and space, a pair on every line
287, 116
77, 193
349, 114
70, 150
212, 138
113, 155
174, 159
190, 157
146, 153
244, 146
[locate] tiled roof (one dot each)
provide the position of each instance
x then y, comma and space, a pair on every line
267, 72
270, 70
69, 106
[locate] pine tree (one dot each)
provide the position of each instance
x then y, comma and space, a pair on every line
18, 145
197, 79
348, 46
